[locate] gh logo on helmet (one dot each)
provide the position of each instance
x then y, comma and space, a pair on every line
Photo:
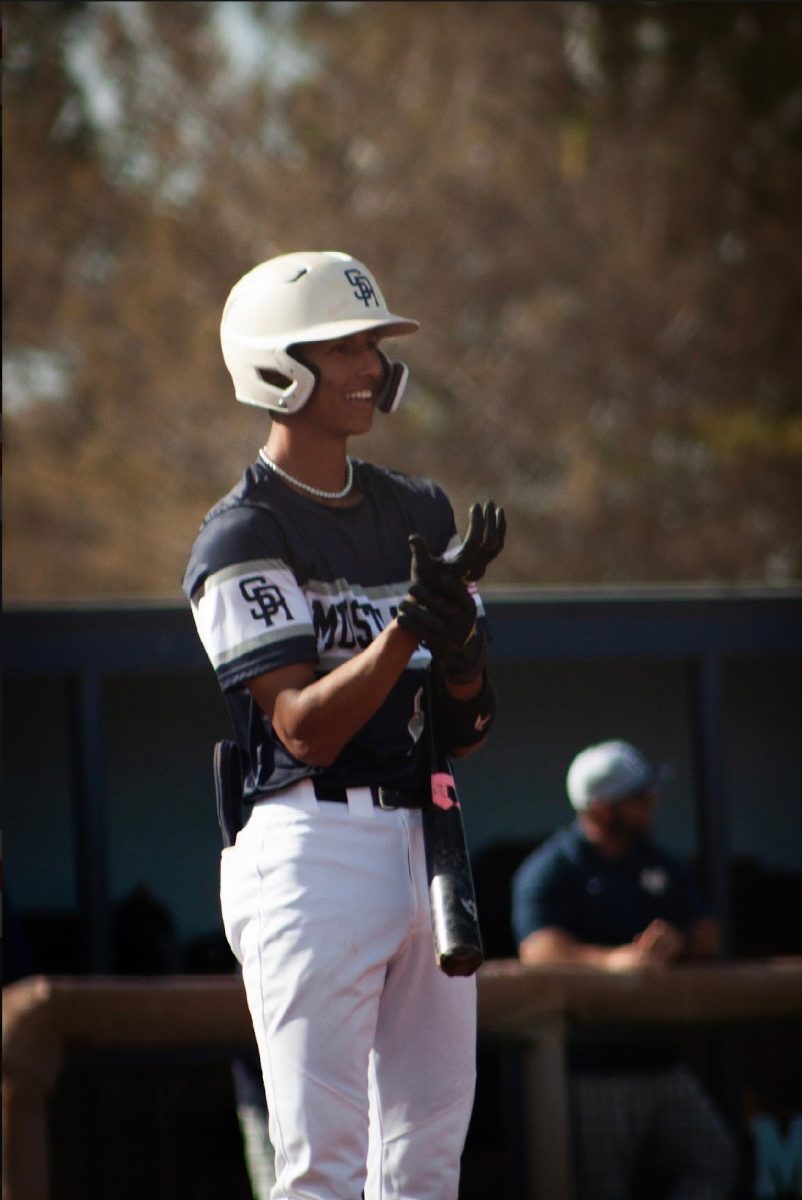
363, 288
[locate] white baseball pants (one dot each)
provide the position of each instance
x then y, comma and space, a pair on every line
367, 1049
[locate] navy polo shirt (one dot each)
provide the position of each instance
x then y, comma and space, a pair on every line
567, 884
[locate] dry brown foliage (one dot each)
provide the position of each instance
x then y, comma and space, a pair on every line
592, 209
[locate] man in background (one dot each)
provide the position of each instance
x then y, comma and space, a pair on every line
602, 893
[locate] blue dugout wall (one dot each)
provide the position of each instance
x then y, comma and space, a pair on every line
110, 714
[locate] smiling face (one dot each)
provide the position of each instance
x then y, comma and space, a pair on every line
350, 374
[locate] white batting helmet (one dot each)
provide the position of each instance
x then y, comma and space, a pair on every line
308, 296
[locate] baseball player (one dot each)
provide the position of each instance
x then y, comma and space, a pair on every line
299, 581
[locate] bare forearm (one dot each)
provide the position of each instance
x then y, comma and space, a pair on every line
317, 719
656, 947
553, 946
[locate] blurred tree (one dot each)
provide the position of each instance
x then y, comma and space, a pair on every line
592, 208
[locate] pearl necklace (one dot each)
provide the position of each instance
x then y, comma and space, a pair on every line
305, 487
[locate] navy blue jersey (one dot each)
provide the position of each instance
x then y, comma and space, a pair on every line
567, 884
277, 578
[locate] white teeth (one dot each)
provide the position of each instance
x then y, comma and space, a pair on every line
367, 395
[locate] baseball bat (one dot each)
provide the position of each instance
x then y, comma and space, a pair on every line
452, 899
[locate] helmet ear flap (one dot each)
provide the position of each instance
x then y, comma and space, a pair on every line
283, 387
274, 378
393, 384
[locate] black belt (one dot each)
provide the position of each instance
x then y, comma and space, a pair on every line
383, 797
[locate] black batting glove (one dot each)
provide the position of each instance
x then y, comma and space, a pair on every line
484, 541
446, 622
462, 664
442, 619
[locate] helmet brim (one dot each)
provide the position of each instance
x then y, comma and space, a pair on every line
330, 331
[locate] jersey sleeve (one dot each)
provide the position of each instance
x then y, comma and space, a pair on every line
541, 894
249, 609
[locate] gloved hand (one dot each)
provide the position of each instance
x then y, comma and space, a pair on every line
483, 542
446, 622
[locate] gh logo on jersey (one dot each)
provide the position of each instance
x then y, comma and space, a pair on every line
267, 597
363, 288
